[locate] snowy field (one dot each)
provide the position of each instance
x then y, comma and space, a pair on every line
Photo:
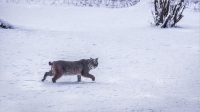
141, 68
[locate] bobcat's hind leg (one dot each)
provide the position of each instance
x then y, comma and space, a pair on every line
79, 78
47, 74
56, 76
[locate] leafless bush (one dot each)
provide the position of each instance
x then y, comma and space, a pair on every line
167, 12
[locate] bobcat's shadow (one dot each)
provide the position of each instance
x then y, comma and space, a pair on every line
73, 83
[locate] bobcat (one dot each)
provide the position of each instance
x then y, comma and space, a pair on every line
81, 67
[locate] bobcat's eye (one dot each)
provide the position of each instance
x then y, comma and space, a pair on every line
95, 63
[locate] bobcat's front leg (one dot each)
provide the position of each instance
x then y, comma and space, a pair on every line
88, 76
79, 78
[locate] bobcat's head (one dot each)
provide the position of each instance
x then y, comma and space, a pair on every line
93, 63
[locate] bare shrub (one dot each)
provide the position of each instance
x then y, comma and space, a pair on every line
167, 13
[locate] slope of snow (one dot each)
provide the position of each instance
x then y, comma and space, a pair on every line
141, 68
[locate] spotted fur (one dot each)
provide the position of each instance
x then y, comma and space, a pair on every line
79, 68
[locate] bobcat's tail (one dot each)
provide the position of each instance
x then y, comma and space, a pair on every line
50, 63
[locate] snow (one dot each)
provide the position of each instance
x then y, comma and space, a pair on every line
141, 68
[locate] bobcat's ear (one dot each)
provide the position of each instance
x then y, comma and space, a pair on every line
96, 59
91, 58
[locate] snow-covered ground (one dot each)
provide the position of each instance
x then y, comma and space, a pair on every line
141, 68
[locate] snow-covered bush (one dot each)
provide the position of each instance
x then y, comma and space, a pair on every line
103, 3
167, 13
120, 3
5, 25
90, 3
195, 4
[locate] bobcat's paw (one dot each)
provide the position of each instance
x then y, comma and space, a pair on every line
93, 78
53, 80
